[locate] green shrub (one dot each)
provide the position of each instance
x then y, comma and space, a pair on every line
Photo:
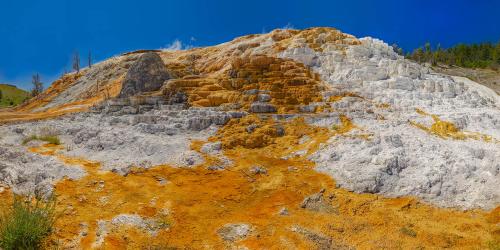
52, 139
29, 138
27, 223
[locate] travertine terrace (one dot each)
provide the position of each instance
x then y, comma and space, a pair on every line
295, 139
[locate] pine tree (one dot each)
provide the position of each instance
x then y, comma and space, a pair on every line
480, 55
427, 52
497, 52
419, 55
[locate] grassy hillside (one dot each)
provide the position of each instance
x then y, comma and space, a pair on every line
11, 95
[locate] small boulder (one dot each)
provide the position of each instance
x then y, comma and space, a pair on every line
18, 130
211, 147
284, 212
161, 180
258, 170
250, 128
260, 107
234, 232
189, 159
264, 98
317, 203
216, 168
251, 92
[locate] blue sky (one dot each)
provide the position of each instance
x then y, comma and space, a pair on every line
41, 35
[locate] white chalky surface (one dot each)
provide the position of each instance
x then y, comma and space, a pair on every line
29, 173
118, 142
401, 159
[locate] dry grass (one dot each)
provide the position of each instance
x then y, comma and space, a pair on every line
51, 139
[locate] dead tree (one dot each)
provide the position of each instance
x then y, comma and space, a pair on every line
90, 59
76, 62
37, 85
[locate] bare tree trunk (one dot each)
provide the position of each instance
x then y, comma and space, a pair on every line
76, 62
90, 59
37, 85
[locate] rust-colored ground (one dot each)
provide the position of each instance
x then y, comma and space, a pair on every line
196, 202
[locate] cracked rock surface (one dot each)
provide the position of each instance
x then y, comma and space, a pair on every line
118, 141
400, 159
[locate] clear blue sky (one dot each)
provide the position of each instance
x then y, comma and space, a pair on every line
40, 35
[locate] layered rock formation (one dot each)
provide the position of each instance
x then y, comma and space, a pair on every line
394, 158
323, 71
241, 137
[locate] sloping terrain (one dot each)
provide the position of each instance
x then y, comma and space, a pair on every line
487, 77
11, 95
295, 139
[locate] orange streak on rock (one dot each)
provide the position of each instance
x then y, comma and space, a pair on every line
446, 129
288, 84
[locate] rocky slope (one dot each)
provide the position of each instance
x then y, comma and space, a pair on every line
487, 77
270, 139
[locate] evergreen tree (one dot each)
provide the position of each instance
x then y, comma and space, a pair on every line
419, 55
427, 52
480, 55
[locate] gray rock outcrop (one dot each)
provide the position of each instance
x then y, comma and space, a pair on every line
28, 172
148, 73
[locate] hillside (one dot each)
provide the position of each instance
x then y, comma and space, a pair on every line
11, 95
487, 77
473, 56
294, 139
